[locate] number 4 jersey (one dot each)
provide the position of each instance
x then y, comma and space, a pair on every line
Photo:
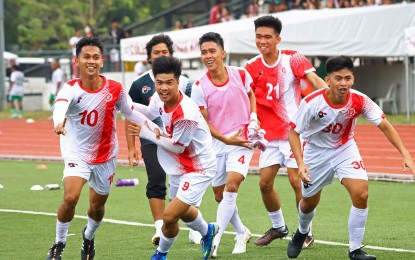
91, 115
323, 125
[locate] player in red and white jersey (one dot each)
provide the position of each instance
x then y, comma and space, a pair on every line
227, 103
184, 150
84, 116
276, 78
326, 120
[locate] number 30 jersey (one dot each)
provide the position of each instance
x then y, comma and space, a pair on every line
327, 126
277, 90
91, 120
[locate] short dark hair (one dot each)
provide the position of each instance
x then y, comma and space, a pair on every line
89, 41
15, 67
269, 21
157, 39
167, 65
211, 37
337, 63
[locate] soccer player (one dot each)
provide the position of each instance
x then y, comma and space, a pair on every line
276, 78
140, 92
57, 81
84, 116
326, 120
15, 91
185, 150
227, 103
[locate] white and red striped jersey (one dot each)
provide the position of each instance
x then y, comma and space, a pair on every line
185, 125
227, 104
91, 120
277, 90
321, 124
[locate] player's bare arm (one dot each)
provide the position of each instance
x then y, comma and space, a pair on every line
390, 132
132, 150
316, 81
295, 143
235, 139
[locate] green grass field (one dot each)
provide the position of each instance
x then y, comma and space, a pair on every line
28, 236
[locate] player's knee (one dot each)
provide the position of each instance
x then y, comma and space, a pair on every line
232, 187
169, 218
71, 200
362, 197
266, 185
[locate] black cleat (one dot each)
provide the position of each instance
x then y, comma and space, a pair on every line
296, 244
359, 254
88, 247
270, 235
55, 252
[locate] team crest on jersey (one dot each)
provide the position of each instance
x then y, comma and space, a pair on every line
108, 97
321, 114
351, 112
79, 100
145, 89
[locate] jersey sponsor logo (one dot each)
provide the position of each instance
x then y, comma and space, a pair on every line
72, 165
108, 98
145, 89
321, 114
261, 72
160, 111
79, 100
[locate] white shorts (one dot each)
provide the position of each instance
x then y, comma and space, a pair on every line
100, 176
190, 187
230, 158
344, 161
277, 152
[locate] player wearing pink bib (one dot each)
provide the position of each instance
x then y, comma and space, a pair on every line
226, 101
276, 78
326, 120
185, 150
85, 116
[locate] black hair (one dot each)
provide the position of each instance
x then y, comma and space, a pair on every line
157, 39
16, 67
167, 65
337, 63
211, 37
89, 41
269, 21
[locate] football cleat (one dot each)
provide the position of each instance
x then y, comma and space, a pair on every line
55, 252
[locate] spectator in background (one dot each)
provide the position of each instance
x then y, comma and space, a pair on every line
15, 91
179, 25
116, 34
275, 6
189, 24
89, 31
128, 33
216, 11
57, 81
73, 41
226, 15
315, 4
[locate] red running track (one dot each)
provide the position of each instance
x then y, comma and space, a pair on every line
37, 140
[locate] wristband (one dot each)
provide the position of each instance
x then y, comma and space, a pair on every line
254, 116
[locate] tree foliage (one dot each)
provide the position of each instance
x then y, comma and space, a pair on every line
48, 24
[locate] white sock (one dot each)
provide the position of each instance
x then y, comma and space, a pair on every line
91, 227
304, 220
61, 231
357, 223
199, 224
310, 234
277, 219
225, 212
236, 222
165, 243
158, 224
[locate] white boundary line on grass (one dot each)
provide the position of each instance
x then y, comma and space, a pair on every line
129, 223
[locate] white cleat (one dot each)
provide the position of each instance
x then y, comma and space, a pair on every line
241, 241
195, 237
155, 240
215, 250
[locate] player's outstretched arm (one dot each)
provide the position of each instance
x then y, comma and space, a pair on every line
59, 116
144, 132
390, 132
316, 81
295, 143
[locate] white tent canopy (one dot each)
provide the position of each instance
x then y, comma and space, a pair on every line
9, 56
376, 31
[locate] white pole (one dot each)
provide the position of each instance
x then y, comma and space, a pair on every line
2, 69
408, 118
